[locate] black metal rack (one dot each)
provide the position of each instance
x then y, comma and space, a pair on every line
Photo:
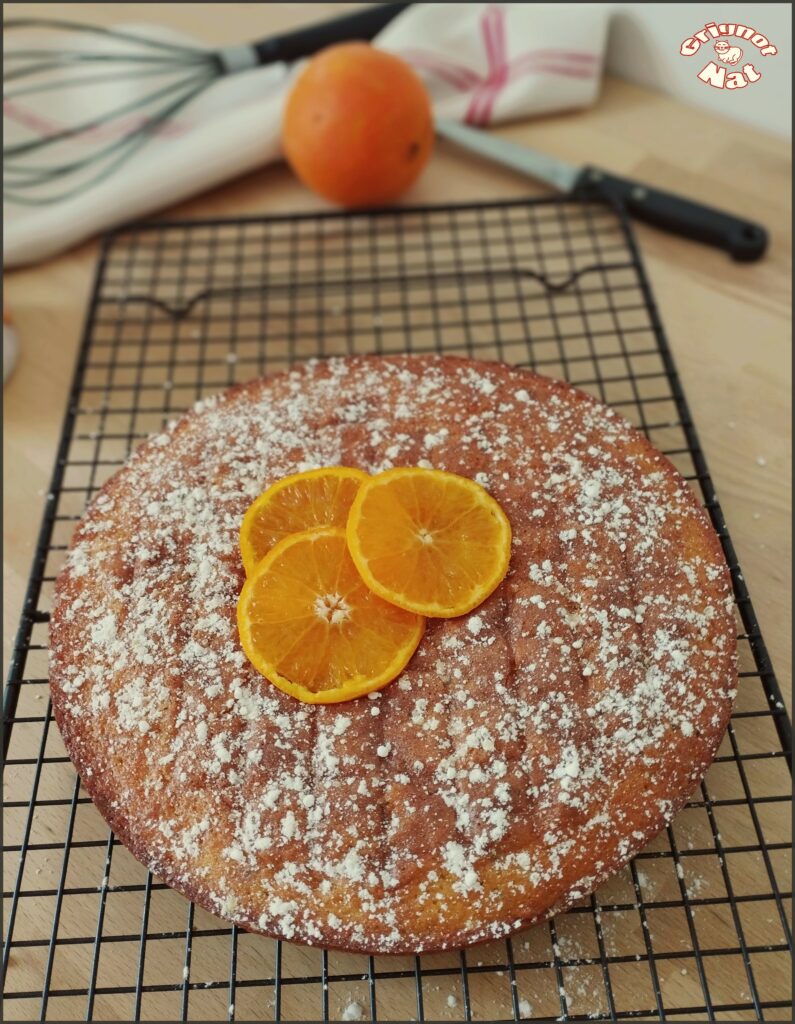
695, 928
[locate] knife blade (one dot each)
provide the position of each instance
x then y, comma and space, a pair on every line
530, 162
743, 240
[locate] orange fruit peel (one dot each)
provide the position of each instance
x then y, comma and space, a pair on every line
357, 126
308, 622
428, 541
302, 501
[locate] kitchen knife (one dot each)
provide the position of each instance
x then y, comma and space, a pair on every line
744, 240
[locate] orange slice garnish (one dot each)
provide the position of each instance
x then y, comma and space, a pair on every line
430, 542
308, 623
303, 501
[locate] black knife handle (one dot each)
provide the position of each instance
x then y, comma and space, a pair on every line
744, 240
302, 42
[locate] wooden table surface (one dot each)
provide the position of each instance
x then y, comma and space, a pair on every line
728, 324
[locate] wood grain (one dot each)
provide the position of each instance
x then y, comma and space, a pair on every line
728, 325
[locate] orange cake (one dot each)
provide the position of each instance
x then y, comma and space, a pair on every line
525, 753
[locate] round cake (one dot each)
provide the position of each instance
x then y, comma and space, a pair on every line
526, 752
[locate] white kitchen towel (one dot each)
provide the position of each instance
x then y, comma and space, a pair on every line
482, 63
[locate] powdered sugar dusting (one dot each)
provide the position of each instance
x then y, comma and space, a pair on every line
526, 751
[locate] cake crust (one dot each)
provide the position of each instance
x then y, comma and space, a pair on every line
527, 751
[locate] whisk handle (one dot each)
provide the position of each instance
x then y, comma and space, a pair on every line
302, 42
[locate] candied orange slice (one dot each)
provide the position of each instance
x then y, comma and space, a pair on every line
308, 623
428, 541
303, 501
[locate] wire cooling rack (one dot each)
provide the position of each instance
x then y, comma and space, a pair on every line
694, 928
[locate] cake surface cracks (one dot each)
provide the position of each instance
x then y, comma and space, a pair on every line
524, 754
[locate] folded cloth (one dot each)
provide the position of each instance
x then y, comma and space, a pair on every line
482, 63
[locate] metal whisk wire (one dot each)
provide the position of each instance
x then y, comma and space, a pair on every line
53, 162
195, 69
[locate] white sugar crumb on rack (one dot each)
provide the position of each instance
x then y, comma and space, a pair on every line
696, 884
604, 651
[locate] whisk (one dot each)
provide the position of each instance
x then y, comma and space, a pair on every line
47, 160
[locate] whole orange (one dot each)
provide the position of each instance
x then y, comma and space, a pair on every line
357, 125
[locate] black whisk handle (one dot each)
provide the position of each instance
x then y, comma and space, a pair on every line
303, 42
